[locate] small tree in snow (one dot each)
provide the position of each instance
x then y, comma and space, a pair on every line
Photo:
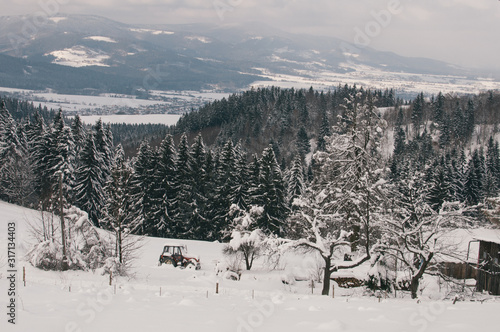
246, 239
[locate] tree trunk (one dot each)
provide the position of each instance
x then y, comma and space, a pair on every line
415, 280
326, 276
248, 261
120, 254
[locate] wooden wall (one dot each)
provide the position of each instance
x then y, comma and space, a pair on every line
488, 276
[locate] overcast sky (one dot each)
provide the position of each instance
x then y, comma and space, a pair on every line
463, 32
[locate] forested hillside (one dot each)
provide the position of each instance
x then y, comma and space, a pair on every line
261, 148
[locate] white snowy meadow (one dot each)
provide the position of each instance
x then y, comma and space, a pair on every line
157, 298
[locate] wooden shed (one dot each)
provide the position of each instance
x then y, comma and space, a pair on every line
476, 256
488, 272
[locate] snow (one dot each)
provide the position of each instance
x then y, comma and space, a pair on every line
171, 101
101, 38
321, 77
156, 298
487, 235
79, 56
57, 19
154, 32
166, 119
201, 39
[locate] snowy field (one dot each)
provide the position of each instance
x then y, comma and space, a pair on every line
170, 100
373, 78
166, 119
167, 299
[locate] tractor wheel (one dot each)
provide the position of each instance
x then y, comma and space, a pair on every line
169, 261
190, 265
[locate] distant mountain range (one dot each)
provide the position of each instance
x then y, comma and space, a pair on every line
91, 55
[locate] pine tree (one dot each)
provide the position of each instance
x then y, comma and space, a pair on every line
90, 181
474, 179
492, 164
147, 194
165, 176
324, 131
241, 190
78, 132
440, 186
271, 195
296, 186
197, 220
224, 190
303, 144
184, 204
399, 142
417, 114
117, 213
104, 144
469, 120
16, 173
35, 134
439, 115
253, 179
62, 155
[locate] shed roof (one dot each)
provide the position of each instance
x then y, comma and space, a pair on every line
486, 235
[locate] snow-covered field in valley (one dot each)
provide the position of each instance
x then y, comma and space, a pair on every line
163, 298
166, 119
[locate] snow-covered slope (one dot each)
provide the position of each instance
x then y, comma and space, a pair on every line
157, 298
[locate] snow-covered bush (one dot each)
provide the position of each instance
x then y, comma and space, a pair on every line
85, 248
247, 242
380, 276
113, 266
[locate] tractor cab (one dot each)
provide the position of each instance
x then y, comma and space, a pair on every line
176, 254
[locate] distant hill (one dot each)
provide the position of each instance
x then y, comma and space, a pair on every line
85, 54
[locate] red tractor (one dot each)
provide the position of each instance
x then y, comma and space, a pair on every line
175, 254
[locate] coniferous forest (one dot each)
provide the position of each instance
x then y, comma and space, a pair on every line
263, 147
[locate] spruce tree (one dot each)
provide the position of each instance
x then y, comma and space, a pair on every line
15, 169
241, 190
271, 195
147, 194
440, 186
184, 204
90, 182
165, 174
324, 131
118, 215
303, 144
473, 188
296, 185
224, 190
198, 219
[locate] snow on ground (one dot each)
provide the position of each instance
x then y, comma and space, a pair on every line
164, 298
370, 77
101, 38
79, 56
154, 32
166, 119
174, 101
